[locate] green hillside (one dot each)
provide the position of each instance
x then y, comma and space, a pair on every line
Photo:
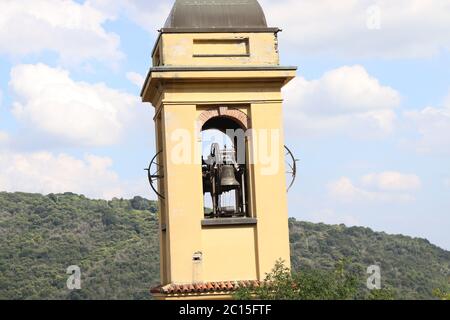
412, 267
116, 245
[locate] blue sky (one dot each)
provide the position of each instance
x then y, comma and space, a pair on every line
368, 115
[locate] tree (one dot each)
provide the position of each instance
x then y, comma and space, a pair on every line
382, 294
438, 293
311, 284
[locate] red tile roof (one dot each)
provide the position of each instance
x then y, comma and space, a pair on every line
207, 287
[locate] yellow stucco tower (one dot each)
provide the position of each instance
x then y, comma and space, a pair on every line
216, 66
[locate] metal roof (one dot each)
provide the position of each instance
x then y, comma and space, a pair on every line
216, 14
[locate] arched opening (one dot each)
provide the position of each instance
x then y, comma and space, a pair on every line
224, 168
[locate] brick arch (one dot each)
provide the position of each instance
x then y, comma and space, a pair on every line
232, 113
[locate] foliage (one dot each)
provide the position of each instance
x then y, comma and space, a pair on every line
412, 266
443, 295
382, 294
115, 243
280, 284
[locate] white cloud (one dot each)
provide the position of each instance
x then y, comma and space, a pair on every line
74, 31
76, 113
344, 190
150, 15
329, 216
136, 78
447, 102
346, 99
391, 181
44, 172
379, 188
407, 28
4, 137
447, 182
433, 126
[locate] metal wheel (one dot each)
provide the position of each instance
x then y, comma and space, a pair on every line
291, 165
155, 174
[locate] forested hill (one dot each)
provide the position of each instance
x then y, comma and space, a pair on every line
116, 245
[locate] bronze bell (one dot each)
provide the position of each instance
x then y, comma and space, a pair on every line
227, 177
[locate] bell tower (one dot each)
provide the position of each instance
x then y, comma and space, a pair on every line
216, 66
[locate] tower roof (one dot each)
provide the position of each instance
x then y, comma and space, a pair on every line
216, 14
